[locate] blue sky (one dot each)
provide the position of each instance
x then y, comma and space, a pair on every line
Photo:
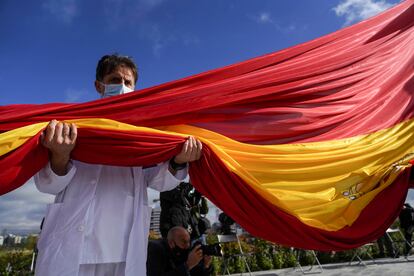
49, 49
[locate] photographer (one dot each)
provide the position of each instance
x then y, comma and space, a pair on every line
173, 256
184, 206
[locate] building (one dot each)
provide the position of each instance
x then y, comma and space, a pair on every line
18, 239
11, 240
155, 220
1, 240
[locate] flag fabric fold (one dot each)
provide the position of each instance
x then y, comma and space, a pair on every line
303, 147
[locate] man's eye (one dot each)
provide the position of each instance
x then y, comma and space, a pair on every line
115, 81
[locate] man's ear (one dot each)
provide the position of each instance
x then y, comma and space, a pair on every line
99, 87
171, 243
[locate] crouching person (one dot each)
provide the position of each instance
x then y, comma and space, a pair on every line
174, 256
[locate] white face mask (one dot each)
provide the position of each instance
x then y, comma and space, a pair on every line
115, 89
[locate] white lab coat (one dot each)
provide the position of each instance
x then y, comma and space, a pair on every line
76, 230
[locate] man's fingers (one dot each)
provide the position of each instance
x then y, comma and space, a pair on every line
42, 138
196, 248
50, 131
191, 152
73, 133
199, 149
66, 133
194, 153
66, 129
188, 149
185, 147
187, 153
58, 137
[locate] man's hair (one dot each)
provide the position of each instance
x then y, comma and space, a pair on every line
407, 205
109, 63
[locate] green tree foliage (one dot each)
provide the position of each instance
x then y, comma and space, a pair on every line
15, 262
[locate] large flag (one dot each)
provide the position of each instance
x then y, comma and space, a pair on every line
307, 147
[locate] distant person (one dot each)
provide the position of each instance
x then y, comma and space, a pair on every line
100, 220
227, 224
391, 250
407, 225
173, 256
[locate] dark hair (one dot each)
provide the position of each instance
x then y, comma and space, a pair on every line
108, 63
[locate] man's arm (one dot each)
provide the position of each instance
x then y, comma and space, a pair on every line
165, 177
59, 139
48, 182
191, 151
157, 262
201, 270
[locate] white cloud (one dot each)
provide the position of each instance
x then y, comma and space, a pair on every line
64, 10
266, 18
162, 39
23, 208
156, 38
121, 12
262, 18
357, 10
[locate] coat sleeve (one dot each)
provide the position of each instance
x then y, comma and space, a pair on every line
203, 206
159, 177
200, 270
48, 182
157, 262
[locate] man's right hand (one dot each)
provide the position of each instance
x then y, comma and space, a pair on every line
60, 139
194, 257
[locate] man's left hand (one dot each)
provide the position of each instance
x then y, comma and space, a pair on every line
191, 151
207, 261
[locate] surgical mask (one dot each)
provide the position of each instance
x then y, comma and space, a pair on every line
115, 89
180, 254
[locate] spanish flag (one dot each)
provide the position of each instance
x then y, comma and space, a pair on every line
307, 147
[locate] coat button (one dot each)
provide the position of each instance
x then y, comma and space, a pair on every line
81, 228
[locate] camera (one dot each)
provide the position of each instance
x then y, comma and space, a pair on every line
209, 250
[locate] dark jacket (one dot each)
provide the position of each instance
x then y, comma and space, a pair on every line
406, 217
161, 262
183, 206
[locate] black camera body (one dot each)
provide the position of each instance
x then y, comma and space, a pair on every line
210, 249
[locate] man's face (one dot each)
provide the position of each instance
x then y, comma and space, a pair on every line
182, 240
120, 75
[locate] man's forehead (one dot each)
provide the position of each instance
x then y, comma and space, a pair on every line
123, 71
183, 235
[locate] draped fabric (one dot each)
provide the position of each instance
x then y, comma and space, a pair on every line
306, 147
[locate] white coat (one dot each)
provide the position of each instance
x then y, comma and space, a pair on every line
100, 215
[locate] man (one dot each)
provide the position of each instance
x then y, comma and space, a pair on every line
173, 257
174, 210
100, 220
392, 251
407, 225
227, 224
184, 206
